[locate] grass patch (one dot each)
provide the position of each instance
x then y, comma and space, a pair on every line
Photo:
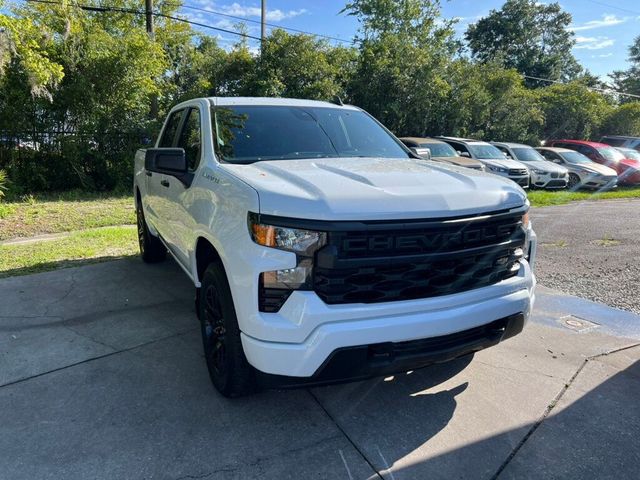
74, 249
543, 198
70, 211
607, 241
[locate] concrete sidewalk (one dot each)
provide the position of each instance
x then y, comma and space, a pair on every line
102, 376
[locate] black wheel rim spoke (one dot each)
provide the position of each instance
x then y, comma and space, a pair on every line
214, 331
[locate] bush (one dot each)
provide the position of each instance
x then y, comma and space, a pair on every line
3, 183
624, 120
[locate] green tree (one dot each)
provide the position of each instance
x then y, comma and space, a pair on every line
628, 81
301, 66
572, 110
404, 48
92, 119
27, 44
624, 120
491, 103
529, 36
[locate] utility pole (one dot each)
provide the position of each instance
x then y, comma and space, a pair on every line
263, 26
148, 6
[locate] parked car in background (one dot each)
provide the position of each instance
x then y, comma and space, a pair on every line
493, 159
628, 170
621, 141
583, 173
441, 152
544, 174
629, 153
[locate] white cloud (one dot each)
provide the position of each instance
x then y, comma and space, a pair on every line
606, 21
593, 43
272, 15
604, 55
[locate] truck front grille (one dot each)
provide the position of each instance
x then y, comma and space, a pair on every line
518, 171
393, 261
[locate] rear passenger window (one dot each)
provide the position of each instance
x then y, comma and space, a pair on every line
583, 149
169, 132
190, 138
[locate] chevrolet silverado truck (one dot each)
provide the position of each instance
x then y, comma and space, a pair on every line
322, 249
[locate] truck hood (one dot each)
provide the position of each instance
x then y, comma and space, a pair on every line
374, 188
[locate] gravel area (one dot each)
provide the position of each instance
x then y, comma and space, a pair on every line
591, 250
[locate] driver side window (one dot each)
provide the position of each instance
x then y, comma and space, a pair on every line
190, 138
552, 157
169, 132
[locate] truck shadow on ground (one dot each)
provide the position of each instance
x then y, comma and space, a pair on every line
593, 435
390, 417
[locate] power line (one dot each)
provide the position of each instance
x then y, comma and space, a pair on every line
92, 8
601, 90
614, 7
235, 17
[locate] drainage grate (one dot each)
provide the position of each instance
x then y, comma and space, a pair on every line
577, 324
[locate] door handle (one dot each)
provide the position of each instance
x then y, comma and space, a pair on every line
164, 183
148, 173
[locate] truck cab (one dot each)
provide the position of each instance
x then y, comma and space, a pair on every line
322, 249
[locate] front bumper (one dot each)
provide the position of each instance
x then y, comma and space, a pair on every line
523, 181
546, 181
629, 177
339, 327
365, 361
599, 182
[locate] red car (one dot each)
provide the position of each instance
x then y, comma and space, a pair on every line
628, 169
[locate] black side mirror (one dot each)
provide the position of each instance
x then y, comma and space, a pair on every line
169, 161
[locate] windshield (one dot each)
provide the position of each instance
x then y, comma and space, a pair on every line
630, 153
485, 152
246, 134
611, 154
525, 154
575, 157
440, 149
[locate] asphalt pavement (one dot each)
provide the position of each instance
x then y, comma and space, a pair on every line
592, 250
102, 377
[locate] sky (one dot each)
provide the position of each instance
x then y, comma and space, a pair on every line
604, 30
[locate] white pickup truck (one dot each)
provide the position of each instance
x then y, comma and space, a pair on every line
322, 249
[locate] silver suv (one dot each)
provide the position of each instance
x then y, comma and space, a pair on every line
495, 161
544, 174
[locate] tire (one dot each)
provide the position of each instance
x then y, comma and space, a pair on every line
151, 248
228, 367
574, 181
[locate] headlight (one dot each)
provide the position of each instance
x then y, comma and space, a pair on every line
588, 172
277, 285
497, 169
538, 172
304, 242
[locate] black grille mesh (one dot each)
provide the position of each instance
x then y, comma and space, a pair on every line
385, 272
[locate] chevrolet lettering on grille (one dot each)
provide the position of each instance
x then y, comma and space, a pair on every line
427, 241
